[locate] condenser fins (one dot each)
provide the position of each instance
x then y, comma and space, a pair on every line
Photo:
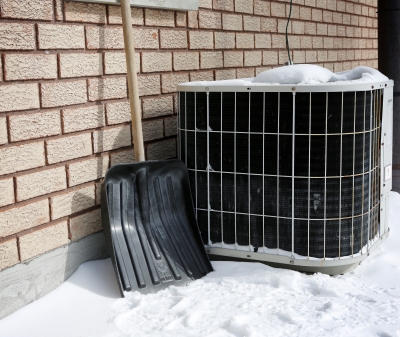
150, 226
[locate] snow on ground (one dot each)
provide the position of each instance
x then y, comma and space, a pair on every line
303, 74
238, 299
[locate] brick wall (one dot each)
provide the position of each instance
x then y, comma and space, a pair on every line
64, 112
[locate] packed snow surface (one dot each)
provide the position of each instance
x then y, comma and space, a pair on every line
303, 74
237, 300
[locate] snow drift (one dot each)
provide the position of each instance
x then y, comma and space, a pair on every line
306, 74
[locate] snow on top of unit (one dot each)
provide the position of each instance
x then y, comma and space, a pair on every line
303, 74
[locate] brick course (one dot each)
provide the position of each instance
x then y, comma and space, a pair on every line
64, 112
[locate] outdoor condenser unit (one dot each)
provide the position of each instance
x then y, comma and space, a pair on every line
296, 175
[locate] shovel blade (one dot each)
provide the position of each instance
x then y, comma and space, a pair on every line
150, 226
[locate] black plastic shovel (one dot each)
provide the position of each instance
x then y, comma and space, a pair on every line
147, 211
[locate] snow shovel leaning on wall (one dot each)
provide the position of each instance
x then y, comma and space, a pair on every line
147, 211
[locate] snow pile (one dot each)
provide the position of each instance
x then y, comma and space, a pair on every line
303, 74
312, 74
238, 299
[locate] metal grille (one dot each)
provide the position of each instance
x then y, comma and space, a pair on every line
294, 172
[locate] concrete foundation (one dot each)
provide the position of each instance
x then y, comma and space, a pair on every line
31, 280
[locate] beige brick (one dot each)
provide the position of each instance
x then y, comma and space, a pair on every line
181, 19
160, 106
19, 218
252, 58
76, 65
170, 124
1, 70
153, 129
210, 20
332, 55
338, 18
224, 40
42, 182
164, 149
170, 81
202, 76
63, 93
19, 36
211, 60
98, 193
224, 5
263, 41
115, 63
84, 118
60, 36
28, 9
310, 28
278, 41
149, 85
322, 29
7, 192
244, 6
186, 61
245, 73
306, 42
193, 19
299, 56
270, 58
226, 74
311, 56
122, 157
205, 4
201, 40
43, 240
21, 157
173, 39
8, 254
298, 27
74, 201
244, 40
83, 12
283, 57
19, 97
35, 125
156, 17
156, 62
278, 9
30, 66
70, 147
318, 42
232, 22
233, 59
85, 224
3, 130
115, 18
87, 170
305, 13
262, 7
107, 88
251, 23
269, 25
118, 113
99, 37
114, 138
59, 15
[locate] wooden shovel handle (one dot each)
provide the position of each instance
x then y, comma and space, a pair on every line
132, 81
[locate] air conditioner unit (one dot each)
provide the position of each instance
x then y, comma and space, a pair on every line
294, 175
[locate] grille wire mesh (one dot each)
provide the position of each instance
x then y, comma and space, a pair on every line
295, 172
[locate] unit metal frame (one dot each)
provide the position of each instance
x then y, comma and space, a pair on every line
329, 265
